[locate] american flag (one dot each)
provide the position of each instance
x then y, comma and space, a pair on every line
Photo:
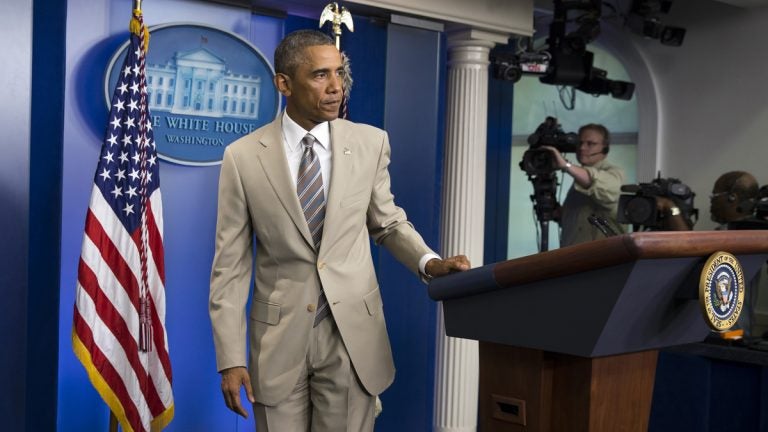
119, 332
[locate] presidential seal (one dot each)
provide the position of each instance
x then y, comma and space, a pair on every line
721, 291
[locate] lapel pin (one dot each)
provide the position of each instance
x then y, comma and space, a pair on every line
347, 151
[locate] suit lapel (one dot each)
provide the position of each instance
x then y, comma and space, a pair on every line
274, 163
341, 158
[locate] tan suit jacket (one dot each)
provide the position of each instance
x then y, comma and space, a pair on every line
257, 198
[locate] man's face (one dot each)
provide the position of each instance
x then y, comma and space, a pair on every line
590, 150
720, 209
313, 93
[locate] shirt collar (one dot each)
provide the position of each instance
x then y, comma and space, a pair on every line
294, 133
599, 164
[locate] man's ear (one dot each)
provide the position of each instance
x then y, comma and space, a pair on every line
283, 84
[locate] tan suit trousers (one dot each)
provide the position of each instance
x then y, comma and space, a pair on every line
328, 396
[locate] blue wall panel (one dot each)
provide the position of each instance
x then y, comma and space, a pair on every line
702, 394
498, 165
45, 200
412, 119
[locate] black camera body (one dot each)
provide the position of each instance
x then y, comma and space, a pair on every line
508, 66
761, 206
640, 208
565, 60
759, 218
540, 161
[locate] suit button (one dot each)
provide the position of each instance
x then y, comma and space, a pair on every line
310, 307
320, 265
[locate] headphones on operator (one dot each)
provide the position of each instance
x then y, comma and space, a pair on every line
602, 130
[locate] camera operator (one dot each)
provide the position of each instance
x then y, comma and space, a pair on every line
733, 205
596, 187
733, 200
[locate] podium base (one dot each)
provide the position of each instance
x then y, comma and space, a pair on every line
528, 390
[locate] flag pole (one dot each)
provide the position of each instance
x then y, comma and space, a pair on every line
339, 16
113, 423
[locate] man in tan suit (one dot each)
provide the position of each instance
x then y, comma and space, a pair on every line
310, 188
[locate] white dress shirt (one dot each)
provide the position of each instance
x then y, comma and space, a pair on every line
292, 136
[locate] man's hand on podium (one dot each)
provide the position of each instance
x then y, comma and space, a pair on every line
441, 267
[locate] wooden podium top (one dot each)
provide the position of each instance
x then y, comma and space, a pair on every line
601, 253
616, 295
628, 247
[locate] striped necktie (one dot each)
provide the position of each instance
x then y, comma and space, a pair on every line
309, 186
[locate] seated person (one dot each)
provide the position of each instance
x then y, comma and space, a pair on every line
732, 205
733, 199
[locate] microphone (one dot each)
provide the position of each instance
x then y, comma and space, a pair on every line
631, 188
605, 225
601, 224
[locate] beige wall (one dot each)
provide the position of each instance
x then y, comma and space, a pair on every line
712, 103
504, 16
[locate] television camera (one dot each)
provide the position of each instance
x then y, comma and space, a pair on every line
644, 18
540, 161
639, 205
761, 206
511, 67
541, 167
759, 218
565, 61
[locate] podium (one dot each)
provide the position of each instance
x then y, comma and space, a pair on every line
569, 337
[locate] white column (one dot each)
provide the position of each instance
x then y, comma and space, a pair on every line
463, 208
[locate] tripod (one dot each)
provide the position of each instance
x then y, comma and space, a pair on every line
544, 203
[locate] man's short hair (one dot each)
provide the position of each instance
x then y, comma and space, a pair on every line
741, 183
289, 54
602, 130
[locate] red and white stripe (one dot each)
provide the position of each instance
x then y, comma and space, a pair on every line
106, 318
